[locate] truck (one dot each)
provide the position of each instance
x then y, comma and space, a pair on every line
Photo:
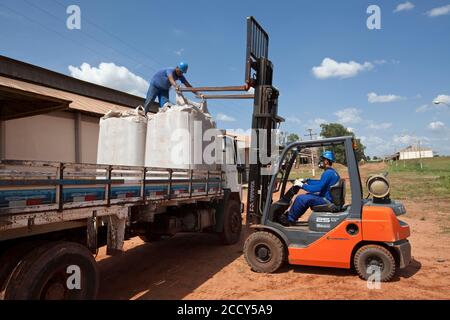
55, 216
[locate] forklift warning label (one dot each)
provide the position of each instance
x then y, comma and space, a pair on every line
323, 220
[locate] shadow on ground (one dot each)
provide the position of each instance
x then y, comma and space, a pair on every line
168, 269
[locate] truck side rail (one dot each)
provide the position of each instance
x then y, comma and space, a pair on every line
39, 186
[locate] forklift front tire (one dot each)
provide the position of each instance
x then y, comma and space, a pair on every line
264, 252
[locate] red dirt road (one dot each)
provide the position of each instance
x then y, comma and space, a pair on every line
196, 266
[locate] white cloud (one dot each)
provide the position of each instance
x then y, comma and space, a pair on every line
432, 107
349, 116
294, 119
404, 6
179, 52
225, 118
440, 11
423, 108
112, 76
333, 69
178, 32
408, 139
380, 126
442, 98
375, 98
380, 62
436, 126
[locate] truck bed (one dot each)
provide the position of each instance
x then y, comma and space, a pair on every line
49, 191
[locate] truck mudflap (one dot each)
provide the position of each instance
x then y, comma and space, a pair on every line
403, 249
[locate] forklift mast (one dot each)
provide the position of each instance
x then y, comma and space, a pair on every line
259, 75
265, 119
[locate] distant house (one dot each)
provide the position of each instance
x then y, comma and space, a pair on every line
415, 152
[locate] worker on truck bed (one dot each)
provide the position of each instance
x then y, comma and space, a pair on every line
161, 83
318, 190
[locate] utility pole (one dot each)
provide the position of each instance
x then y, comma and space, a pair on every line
420, 154
313, 150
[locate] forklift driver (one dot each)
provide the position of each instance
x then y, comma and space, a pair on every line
318, 190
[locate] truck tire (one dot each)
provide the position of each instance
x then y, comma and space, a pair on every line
264, 252
232, 223
44, 274
9, 260
369, 258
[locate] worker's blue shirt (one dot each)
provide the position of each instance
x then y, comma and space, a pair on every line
161, 79
322, 187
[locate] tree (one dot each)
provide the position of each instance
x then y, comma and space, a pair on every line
293, 138
331, 130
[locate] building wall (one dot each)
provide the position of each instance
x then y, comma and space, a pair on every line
50, 137
89, 139
416, 154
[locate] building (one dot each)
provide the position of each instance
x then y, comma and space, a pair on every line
415, 152
49, 116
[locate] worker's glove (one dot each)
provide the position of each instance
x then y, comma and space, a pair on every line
299, 183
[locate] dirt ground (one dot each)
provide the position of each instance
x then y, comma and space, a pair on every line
196, 266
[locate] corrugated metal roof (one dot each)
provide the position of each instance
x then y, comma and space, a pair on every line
23, 71
78, 102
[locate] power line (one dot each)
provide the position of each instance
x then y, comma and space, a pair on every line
89, 36
235, 114
116, 37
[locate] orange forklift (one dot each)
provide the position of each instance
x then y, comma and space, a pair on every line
366, 235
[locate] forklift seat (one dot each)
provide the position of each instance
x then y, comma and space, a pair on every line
337, 192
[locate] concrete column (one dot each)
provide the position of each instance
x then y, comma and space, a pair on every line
78, 155
2, 139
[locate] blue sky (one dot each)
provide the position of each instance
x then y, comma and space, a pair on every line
404, 66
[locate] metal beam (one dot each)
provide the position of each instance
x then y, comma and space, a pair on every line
215, 89
229, 96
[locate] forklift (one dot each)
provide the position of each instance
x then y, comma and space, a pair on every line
365, 235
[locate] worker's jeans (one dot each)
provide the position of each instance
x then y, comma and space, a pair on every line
302, 203
153, 93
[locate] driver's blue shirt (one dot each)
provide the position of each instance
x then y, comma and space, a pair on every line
161, 79
322, 187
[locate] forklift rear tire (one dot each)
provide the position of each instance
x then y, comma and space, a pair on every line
264, 252
370, 258
44, 274
232, 224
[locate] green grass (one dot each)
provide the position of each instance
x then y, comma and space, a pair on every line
412, 181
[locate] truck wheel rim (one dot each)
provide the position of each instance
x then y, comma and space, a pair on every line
235, 221
56, 287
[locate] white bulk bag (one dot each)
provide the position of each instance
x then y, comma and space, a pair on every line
122, 138
175, 137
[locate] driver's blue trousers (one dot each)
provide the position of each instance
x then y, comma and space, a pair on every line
302, 203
